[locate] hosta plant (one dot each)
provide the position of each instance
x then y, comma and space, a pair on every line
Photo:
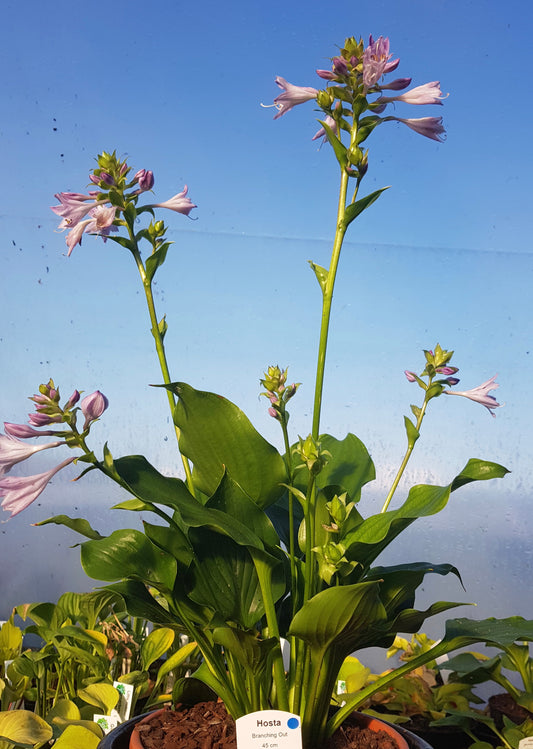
254, 546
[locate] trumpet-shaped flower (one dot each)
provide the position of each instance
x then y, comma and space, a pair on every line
376, 61
481, 394
24, 431
291, 96
431, 127
179, 203
429, 93
19, 492
13, 451
73, 207
93, 406
101, 222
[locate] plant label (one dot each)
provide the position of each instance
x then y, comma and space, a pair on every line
123, 708
106, 722
526, 743
269, 729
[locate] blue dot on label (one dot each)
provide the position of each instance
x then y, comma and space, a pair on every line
293, 723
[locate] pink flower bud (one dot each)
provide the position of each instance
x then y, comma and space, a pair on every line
447, 370
42, 420
74, 398
273, 413
23, 431
145, 179
410, 376
93, 406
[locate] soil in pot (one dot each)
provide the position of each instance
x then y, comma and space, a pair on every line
207, 725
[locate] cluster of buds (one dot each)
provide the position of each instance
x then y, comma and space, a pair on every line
437, 363
312, 455
278, 393
104, 210
18, 492
355, 75
331, 555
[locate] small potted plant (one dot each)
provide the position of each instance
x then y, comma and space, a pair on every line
257, 549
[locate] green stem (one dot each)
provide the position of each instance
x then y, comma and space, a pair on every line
327, 298
407, 455
160, 348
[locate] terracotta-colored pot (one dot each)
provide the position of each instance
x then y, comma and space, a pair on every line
127, 737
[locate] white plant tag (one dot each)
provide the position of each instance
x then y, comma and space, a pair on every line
106, 722
123, 707
269, 729
526, 743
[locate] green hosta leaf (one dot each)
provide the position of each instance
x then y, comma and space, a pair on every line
172, 540
248, 650
151, 486
156, 645
79, 736
349, 467
399, 582
216, 434
102, 696
128, 554
80, 525
354, 209
230, 499
367, 541
24, 728
140, 603
493, 632
340, 616
223, 578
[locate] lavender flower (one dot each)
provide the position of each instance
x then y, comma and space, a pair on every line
179, 203
291, 96
24, 431
429, 93
19, 492
101, 222
480, 394
93, 406
13, 451
73, 207
431, 127
376, 61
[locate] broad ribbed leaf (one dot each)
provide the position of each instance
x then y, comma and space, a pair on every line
349, 467
216, 434
151, 486
128, 554
339, 616
367, 541
494, 632
399, 582
223, 577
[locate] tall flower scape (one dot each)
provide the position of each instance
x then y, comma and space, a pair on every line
257, 549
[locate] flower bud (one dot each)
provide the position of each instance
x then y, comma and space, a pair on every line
74, 398
93, 406
410, 376
145, 180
